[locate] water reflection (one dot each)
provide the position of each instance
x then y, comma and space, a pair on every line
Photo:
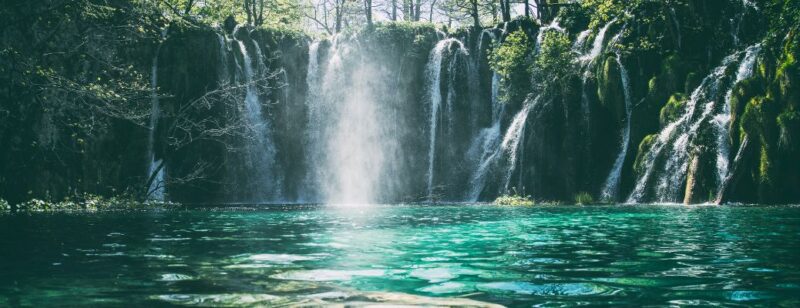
664, 255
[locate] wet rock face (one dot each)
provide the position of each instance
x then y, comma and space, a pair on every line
567, 144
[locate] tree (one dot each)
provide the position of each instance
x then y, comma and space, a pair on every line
368, 12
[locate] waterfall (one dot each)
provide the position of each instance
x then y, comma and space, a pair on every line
611, 186
352, 133
723, 119
314, 157
433, 77
586, 62
667, 160
736, 21
265, 184
511, 141
554, 25
597, 44
677, 24
580, 41
485, 145
155, 189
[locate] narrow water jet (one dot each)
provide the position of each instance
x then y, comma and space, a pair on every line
611, 186
512, 140
155, 171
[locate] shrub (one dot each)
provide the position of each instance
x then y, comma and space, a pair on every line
511, 60
583, 198
555, 58
514, 200
4, 206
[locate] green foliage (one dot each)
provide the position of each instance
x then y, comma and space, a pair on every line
4, 206
276, 13
603, 11
87, 202
584, 198
511, 61
514, 200
555, 58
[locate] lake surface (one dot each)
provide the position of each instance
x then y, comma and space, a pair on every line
439, 255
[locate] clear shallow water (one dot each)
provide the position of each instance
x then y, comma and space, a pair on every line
460, 255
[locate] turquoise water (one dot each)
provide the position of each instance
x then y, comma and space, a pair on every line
446, 255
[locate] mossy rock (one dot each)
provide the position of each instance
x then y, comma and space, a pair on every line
789, 124
672, 72
766, 170
693, 80
672, 110
787, 83
644, 147
758, 119
610, 89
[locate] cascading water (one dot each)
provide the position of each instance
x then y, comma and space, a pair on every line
311, 191
587, 64
260, 150
554, 25
155, 170
597, 44
485, 145
723, 119
434, 73
666, 162
352, 134
511, 141
611, 186
581, 40
502, 153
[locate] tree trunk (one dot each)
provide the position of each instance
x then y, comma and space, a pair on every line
338, 11
394, 10
476, 18
260, 19
505, 7
542, 11
368, 12
417, 10
248, 12
527, 9
407, 7
430, 13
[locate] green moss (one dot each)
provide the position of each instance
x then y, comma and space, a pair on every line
653, 85
672, 71
609, 88
693, 80
765, 169
789, 123
758, 117
644, 147
672, 110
